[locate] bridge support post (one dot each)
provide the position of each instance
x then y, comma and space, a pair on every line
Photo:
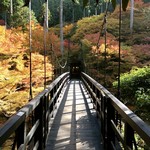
46, 117
20, 135
128, 135
110, 132
39, 131
103, 119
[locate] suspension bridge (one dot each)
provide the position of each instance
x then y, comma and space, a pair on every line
74, 113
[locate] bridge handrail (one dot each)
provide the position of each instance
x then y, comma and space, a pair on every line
17, 122
103, 97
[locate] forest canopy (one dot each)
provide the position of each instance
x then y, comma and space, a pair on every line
73, 10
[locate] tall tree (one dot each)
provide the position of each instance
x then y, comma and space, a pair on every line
124, 3
4, 5
131, 16
61, 27
4, 10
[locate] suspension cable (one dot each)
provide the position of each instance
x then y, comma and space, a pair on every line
119, 54
103, 23
105, 59
30, 50
65, 63
45, 26
118, 119
44, 55
104, 27
61, 37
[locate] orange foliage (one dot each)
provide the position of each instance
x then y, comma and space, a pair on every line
38, 40
67, 29
13, 42
112, 44
14, 65
2, 33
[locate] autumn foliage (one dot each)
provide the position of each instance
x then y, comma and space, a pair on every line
14, 65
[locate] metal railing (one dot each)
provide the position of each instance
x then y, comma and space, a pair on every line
119, 125
29, 125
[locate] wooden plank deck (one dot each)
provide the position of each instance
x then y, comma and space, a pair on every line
75, 126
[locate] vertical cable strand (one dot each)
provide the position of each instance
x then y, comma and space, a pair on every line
118, 120
119, 57
105, 58
30, 44
45, 39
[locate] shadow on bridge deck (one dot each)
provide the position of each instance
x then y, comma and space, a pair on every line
75, 126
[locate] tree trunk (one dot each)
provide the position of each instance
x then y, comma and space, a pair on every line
73, 13
96, 10
11, 7
61, 27
131, 16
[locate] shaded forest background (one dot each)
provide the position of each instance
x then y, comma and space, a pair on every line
81, 33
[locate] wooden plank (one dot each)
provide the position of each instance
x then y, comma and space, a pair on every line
75, 126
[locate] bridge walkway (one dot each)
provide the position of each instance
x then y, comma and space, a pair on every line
75, 126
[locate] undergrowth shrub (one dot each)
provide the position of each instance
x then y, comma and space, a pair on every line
135, 89
130, 82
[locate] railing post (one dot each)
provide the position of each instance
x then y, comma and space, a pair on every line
20, 135
110, 132
51, 106
96, 102
103, 119
39, 132
128, 135
45, 118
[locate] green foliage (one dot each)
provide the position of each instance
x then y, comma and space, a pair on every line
17, 4
86, 45
37, 8
86, 2
91, 24
21, 18
42, 13
124, 4
143, 98
135, 90
132, 81
75, 1
114, 3
125, 47
88, 29
143, 103
146, 12
71, 11
113, 26
146, 1
4, 5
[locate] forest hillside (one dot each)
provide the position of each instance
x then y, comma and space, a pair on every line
102, 61
83, 40
15, 70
